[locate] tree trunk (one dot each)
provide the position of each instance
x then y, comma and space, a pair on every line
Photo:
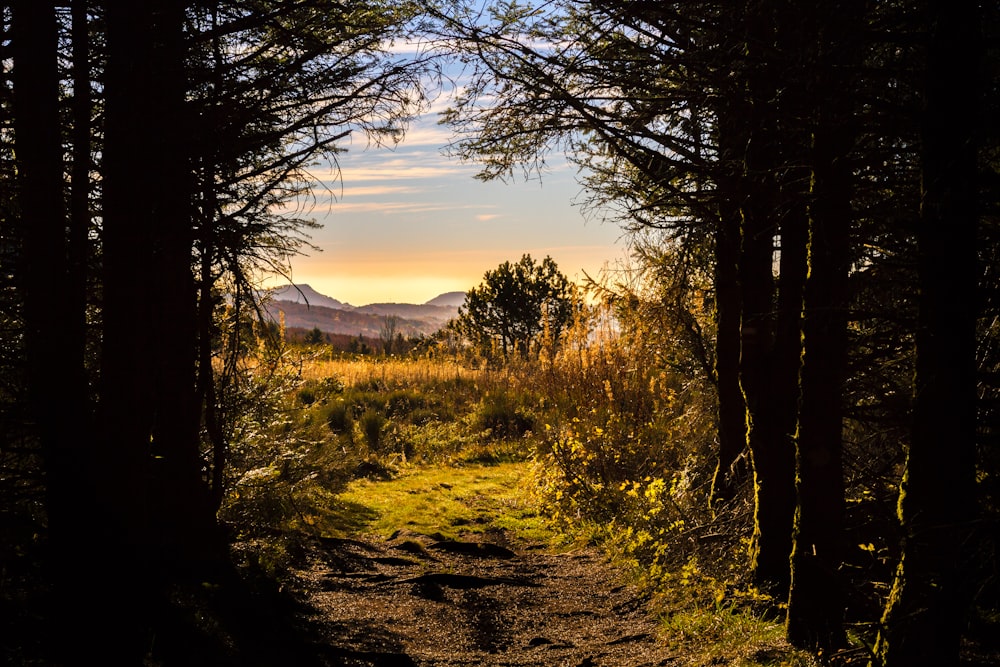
816, 599
731, 464
769, 352
57, 395
80, 186
925, 614
182, 508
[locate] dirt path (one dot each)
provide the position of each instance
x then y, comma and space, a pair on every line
481, 600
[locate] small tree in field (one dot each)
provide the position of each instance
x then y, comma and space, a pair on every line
515, 304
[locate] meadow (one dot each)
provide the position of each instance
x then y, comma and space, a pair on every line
587, 447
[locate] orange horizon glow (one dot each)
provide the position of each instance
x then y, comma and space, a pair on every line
405, 224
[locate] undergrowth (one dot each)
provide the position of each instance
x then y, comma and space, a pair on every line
589, 439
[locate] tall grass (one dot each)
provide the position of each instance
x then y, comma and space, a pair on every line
619, 440
390, 371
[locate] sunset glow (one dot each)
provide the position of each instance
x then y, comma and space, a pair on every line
406, 224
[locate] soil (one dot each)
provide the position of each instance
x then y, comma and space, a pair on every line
484, 600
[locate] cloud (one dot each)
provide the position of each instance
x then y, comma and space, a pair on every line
350, 191
392, 207
409, 167
486, 217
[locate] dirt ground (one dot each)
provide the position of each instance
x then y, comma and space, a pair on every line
482, 600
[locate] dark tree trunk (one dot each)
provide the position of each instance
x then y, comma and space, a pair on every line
80, 185
769, 353
150, 414
816, 599
182, 507
924, 617
44, 268
150, 309
53, 332
126, 389
732, 466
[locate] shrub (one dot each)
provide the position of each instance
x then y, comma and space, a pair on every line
500, 414
424, 416
402, 402
365, 401
372, 423
306, 396
339, 418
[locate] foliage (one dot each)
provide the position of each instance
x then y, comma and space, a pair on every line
514, 305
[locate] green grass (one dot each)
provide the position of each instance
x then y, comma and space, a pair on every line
447, 501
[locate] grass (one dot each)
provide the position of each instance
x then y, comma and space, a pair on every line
450, 501
388, 370
371, 446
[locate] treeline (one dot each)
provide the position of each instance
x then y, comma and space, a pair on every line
155, 165
323, 341
811, 190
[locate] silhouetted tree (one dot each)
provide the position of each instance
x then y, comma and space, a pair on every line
515, 304
925, 614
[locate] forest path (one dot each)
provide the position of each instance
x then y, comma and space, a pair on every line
417, 600
487, 596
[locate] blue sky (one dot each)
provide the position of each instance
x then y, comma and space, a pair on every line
406, 224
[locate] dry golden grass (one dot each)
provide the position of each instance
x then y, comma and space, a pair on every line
390, 371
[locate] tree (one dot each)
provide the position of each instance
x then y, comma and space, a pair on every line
816, 598
923, 619
234, 101
387, 333
314, 336
515, 304
673, 110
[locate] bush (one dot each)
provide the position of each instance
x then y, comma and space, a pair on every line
402, 402
339, 418
424, 416
306, 396
372, 423
502, 417
365, 401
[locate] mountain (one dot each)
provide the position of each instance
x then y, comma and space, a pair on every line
336, 317
451, 299
307, 295
439, 314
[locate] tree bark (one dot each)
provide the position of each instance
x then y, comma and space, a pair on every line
923, 620
57, 397
769, 352
731, 464
816, 598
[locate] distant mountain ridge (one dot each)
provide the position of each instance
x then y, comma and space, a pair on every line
453, 299
304, 307
306, 294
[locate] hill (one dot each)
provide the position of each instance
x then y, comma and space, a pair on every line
305, 308
307, 295
451, 299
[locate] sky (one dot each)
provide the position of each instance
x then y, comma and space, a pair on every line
406, 224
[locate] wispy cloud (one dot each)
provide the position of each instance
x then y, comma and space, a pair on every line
394, 207
351, 191
393, 169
